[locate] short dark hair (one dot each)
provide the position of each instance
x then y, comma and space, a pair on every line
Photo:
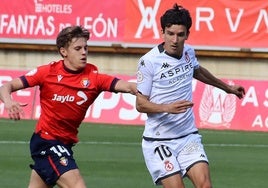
67, 34
176, 16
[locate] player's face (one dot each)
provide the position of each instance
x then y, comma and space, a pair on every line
75, 55
174, 38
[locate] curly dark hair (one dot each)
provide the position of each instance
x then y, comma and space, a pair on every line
176, 16
67, 34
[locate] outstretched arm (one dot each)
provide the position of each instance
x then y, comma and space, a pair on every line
206, 77
14, 108
126, 87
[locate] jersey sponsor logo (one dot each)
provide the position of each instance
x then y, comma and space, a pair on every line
83, 96
62, 99
176, 71
70, 98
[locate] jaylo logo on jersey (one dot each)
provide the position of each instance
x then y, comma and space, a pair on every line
70, 98
62, 99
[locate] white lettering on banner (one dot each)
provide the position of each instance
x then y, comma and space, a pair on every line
37, 111
210, 15
265, 103
27, 24
263, 15
130, 114
150, 13
259, 122
113, 103
100, 26
250, 97
237, 21
104, 104
4, 79
52, 8
23, 93
207, 19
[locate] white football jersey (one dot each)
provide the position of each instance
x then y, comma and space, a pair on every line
166, 79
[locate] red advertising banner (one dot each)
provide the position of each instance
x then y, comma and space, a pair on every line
213, 108
230, 24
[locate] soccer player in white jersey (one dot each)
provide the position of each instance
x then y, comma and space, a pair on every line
171, 143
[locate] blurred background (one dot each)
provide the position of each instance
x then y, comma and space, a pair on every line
230, 38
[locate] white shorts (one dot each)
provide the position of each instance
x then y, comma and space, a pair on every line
177, 156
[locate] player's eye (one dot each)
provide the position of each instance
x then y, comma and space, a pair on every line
181, 34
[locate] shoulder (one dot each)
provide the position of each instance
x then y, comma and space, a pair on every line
154, 51
50, 67
151, 55
189, 49
91, 67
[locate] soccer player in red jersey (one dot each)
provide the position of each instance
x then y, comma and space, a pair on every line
67, 88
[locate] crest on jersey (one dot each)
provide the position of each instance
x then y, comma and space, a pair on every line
187, 58
85, 82
63, 161
217, 108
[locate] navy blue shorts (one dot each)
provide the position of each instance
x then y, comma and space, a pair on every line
51, 158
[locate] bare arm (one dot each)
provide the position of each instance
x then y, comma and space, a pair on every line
13, 107
144, 105
126, 87
206, 77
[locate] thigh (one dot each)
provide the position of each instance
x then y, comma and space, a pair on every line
36, 181
72, 179
199, 174
174, 181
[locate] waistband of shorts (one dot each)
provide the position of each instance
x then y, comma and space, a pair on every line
163, 139
45, 135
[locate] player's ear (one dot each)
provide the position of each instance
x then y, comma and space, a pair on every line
63, 52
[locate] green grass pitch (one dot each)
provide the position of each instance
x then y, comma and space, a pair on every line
110, 156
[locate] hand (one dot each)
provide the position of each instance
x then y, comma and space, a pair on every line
239, 91
15, 110
179, 106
